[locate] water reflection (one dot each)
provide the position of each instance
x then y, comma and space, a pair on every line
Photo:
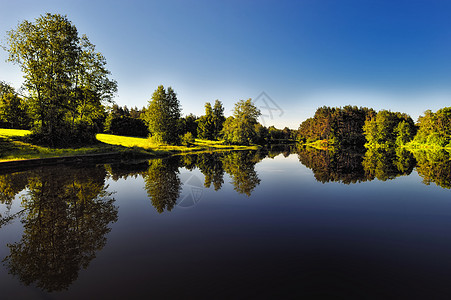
65, 215
385, 164
66, 211
240, 166
434, 167
357, 165
162, 183
334, 166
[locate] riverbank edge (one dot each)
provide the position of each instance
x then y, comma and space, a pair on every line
108, 157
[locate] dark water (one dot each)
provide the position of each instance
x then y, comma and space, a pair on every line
269, 224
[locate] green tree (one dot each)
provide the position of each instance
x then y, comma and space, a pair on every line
13, 109
121, 122
339, 126
435, 128
66, 78
388, 129
189, 124
240, 128
163, 116
205, 124
218, 119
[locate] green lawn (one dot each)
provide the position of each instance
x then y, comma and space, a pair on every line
14, 146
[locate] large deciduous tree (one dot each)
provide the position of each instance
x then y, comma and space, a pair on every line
65, 77
163, 116
241, 127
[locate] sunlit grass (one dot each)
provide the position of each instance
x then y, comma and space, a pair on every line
13, 132
15, 146
148, 144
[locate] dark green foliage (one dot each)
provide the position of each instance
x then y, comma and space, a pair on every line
66, 215
218, 119
163, 116
434, 166
240, 128
388, 129
387, 163
65, 77
357, 165
340, 126
211, 166
262, 134
240, 165
435, 128
121, 121
189, 124
280, 135
334, 166
13, 109
209, 126
205, 124
162, 183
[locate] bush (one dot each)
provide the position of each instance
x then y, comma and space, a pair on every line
187, 139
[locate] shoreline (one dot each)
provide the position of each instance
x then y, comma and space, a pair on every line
107, 157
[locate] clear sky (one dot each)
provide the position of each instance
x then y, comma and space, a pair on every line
303, 54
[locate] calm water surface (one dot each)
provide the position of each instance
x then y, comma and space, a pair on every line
231, 225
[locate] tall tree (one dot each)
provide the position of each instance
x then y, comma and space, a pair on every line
205, 124
218, 119
163, 116
240, 128
66, 78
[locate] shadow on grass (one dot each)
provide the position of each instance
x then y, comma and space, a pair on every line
20, 147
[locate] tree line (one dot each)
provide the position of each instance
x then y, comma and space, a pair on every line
67, 96
358, 126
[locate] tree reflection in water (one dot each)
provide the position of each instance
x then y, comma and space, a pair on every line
385, 164
357, 165
434, 167
334, 166
240, 165
66, 213
162, 183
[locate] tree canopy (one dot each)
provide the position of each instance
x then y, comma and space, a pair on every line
66, 79
241, 127
163, 116
340, 126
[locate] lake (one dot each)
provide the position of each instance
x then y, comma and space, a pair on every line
278, 223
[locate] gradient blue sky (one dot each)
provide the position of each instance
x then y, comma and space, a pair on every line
304, 54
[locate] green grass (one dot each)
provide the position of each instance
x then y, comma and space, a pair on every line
13, 132
14, 146
148, 144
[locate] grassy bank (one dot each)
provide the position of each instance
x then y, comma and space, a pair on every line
14, 145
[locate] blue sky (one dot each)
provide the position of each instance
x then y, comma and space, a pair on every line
303, 54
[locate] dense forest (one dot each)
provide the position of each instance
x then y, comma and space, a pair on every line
353, 126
